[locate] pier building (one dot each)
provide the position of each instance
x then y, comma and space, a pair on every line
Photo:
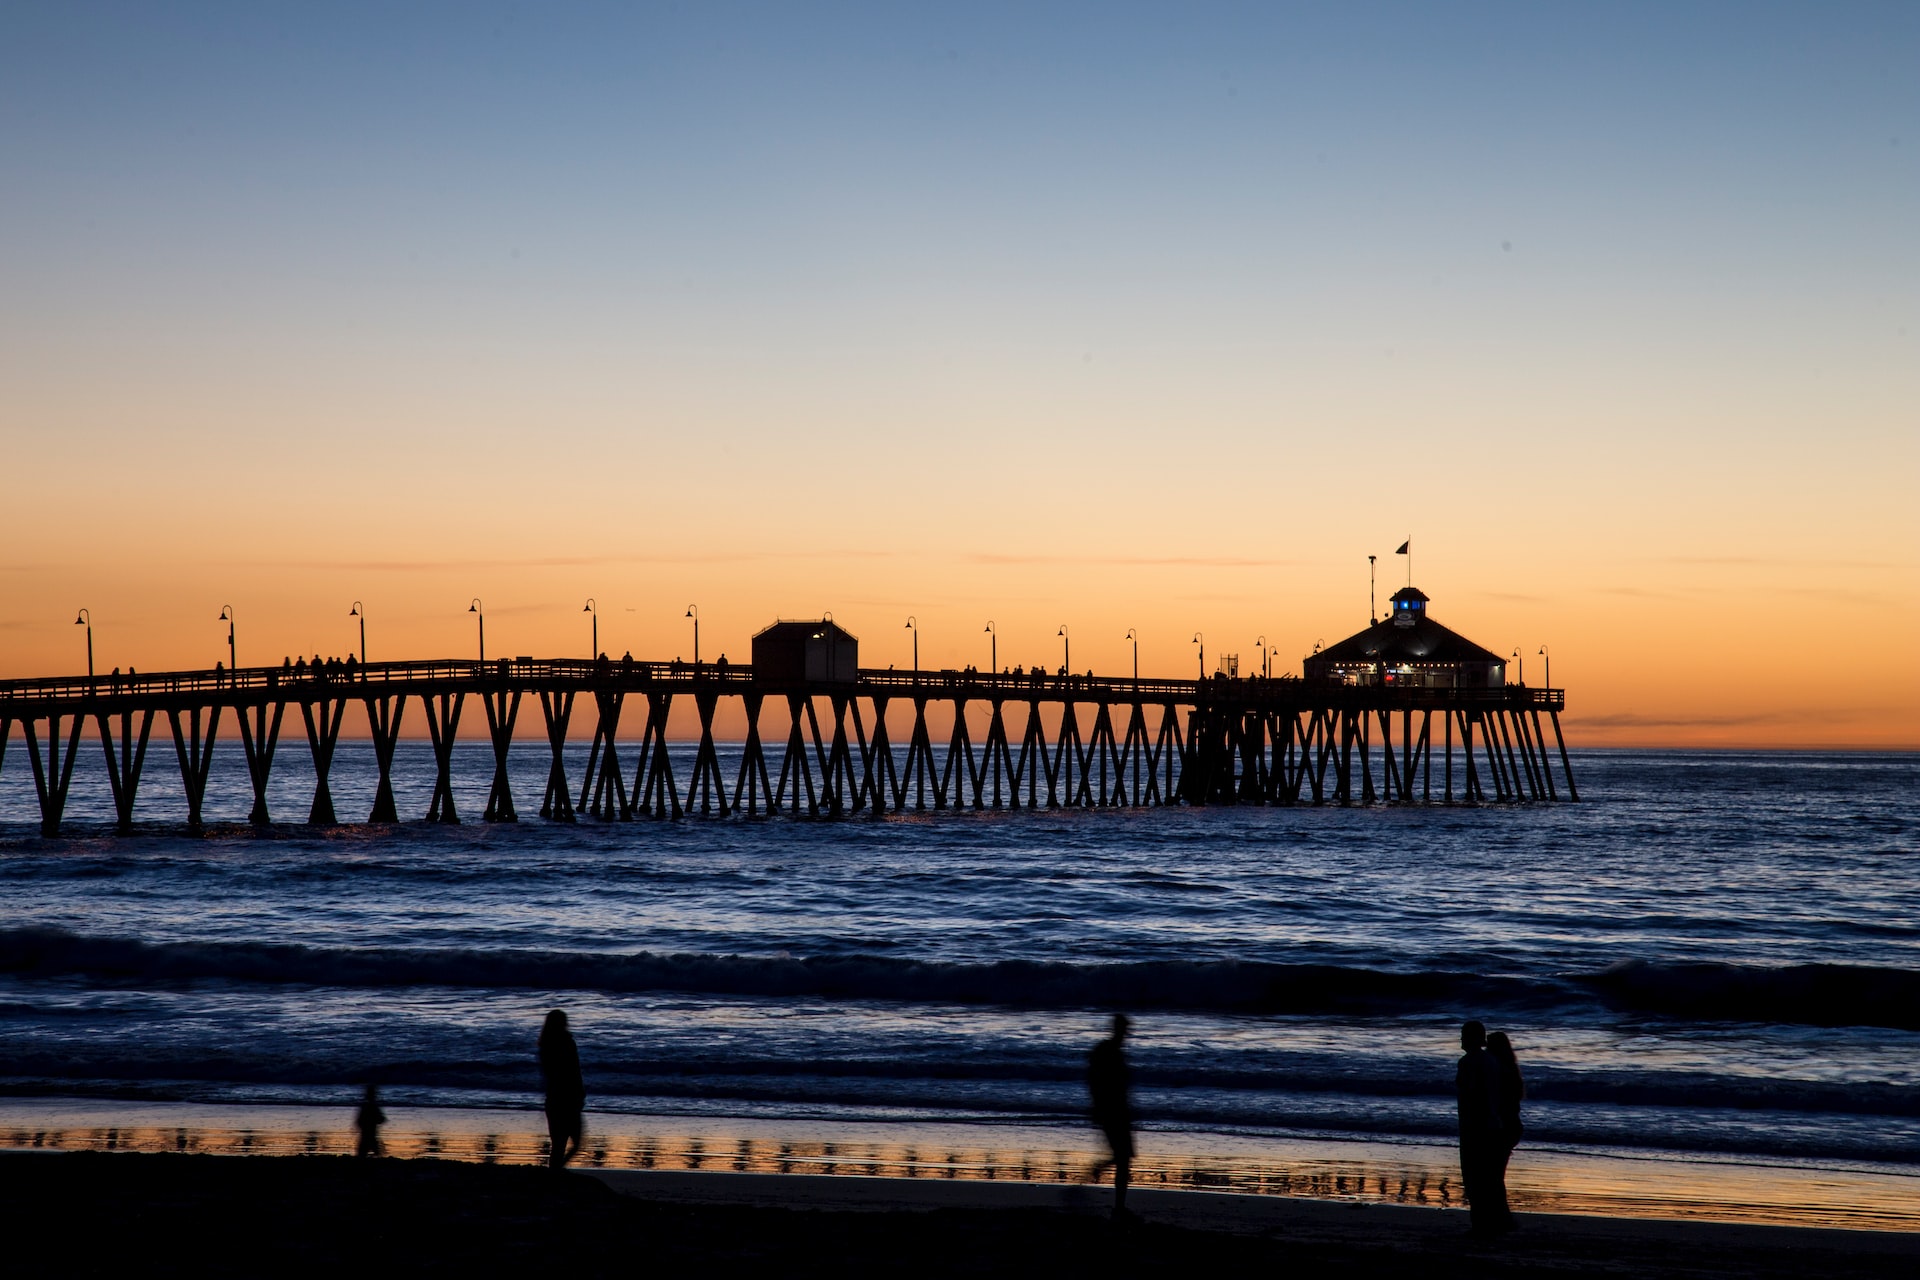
1408, 650
806, 650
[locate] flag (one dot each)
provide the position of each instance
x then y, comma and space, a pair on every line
1403, 548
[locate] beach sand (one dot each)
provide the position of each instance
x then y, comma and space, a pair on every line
105, 1213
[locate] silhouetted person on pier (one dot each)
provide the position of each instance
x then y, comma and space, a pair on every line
367, 1121
1481, 1149
1111, 1093
566, 1091
1509, 1088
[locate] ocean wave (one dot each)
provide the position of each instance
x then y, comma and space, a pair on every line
1808, 995
1174, 985
1815, 995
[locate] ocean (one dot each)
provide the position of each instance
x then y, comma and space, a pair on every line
1711, 962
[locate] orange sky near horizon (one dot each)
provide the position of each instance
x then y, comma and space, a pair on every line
1641, 646
1142, 322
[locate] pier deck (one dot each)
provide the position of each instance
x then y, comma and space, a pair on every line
1049, 740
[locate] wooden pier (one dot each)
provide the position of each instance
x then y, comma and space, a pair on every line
1049, 741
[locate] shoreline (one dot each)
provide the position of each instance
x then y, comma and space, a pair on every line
1419, 1177
97, 1213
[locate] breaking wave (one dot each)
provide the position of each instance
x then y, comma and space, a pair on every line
1811, 995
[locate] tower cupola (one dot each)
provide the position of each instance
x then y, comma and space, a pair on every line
1409, 606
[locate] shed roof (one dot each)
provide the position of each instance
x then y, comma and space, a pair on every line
802, 629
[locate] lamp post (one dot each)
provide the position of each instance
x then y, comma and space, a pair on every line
1549, 658
1135, 637
1521, 671
85, 619
1373, 610
359, 611
481, 615
993, 661
1201, 641
593, 609
694, 613
233, 653
1066, 648
913, 627
1261, 645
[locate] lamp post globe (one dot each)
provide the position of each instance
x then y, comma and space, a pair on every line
85, 619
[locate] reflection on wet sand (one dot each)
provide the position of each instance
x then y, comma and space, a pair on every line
1716, 1192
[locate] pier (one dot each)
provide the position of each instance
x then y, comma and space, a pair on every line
817, 745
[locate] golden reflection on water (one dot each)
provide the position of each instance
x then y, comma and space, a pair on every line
1717, 1192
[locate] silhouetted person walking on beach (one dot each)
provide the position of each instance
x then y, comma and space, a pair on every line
1480, 1137
1111, 1095
1509, 1088
367, 1120
566, 1091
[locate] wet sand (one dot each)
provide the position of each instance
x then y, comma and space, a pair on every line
103, 1213
1577, 1182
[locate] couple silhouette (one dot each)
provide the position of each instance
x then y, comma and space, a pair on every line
1489, 1088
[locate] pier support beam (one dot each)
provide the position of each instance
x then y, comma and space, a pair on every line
880, 778
960, 755
653, 785
383, 722
706, 782
196, 758
123, 772
556, 709
1573, 793
443, 723
503, 709
323, 731
794, 769
51, 777
603, 789
752, 783
920, 771
259, 737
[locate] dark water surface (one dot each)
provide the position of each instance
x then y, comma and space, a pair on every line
1714, 953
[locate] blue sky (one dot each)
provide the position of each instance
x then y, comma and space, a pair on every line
1227, 283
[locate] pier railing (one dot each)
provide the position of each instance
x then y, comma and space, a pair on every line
17, 696
1148, 742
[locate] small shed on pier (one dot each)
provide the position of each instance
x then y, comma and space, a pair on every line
1408, 649
806, 650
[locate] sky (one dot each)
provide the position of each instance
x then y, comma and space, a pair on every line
1107, 316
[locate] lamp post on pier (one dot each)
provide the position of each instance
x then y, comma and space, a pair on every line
593, 609
1066, 649
1549, 658
693, 611
993, 652
1261, 645
85, 619
1134, 636
1201, 641
359, 611
1520, 672
233, 653
481, 615
914, 627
